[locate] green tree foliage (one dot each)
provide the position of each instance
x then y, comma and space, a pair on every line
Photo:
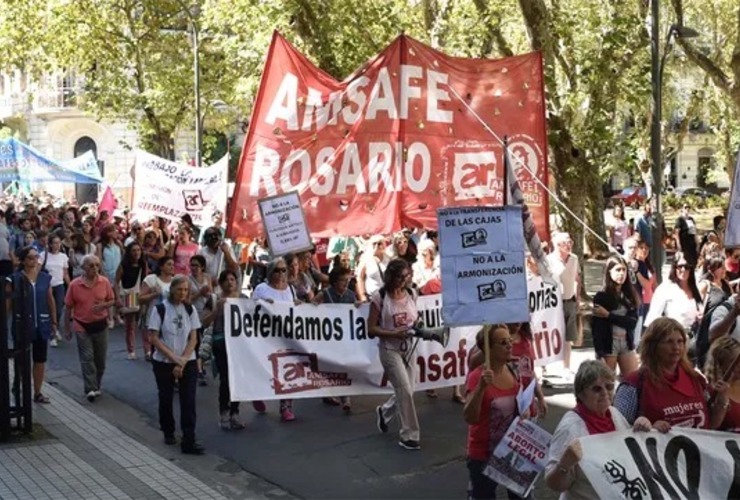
137, 56
716, 52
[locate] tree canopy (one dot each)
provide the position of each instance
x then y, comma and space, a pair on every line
136, 56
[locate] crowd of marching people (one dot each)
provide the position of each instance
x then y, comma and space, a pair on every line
666, 355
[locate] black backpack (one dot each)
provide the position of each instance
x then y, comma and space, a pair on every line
161, 310
700, 340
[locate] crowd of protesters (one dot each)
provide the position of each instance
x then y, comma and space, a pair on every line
74, 272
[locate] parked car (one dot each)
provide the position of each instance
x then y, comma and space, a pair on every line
693, 191
630, 197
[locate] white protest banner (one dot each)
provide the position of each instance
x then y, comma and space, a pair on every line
163, 188
732, 231
683, 463
520, 457
281, 350
482, 265
548, 323
285, 224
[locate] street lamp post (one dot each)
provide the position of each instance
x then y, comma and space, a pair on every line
196, 85
657, 65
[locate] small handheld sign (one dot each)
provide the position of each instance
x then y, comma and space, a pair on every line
285, 224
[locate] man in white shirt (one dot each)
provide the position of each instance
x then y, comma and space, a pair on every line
564, 267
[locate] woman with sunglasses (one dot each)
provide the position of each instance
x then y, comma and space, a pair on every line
593, 414
40, 309
677, 297
615, 317
392, 313
666, 390
491, 406
277, 289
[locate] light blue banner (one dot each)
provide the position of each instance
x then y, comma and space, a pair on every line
484, 279
23, 163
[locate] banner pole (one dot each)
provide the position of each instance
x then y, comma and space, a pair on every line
487, 346
506, 170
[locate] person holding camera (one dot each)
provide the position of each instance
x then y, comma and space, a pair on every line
218, 254
392, 314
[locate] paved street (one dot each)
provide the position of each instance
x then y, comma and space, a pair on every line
323, 454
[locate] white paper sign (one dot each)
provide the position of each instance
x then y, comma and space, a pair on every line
285, 351
285, 224
520, 457
163, 188
548, 322
681, 464
482, 265
732, 232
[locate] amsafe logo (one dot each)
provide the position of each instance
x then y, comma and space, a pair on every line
294, 371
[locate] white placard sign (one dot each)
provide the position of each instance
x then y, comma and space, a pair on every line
682, 464
520, 457
548, 322
163, 188
482, 264
732, 231
285, 351
285, 224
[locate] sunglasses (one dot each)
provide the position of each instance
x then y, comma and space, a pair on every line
598, 389
280, 270
683, 266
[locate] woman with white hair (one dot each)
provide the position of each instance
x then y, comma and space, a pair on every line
371, 269
173, 326
426, 269
593, 414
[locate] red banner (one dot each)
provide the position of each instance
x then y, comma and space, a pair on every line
386, 147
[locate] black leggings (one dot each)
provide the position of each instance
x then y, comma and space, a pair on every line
222, 365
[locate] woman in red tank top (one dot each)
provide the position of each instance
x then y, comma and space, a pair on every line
666, 390
719, 369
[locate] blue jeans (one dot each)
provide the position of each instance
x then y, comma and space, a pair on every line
58, 292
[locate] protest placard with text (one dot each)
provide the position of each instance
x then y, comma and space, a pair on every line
482, 265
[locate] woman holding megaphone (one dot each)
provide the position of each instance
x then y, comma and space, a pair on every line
392, 314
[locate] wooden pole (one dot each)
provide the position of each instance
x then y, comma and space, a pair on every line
487, 346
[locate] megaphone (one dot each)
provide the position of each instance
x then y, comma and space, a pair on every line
440, 334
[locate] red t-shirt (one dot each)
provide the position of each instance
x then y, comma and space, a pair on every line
681, 402
522, 356
497, 411
82, 298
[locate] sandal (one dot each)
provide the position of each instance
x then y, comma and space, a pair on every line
40, 398
457, 398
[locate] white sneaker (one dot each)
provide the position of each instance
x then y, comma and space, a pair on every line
53, 342
91, 396
225, 421
132, 356
98, 393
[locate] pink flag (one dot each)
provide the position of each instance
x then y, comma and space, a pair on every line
107, 201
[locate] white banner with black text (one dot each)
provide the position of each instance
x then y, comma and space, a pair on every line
682, 464
283, 350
